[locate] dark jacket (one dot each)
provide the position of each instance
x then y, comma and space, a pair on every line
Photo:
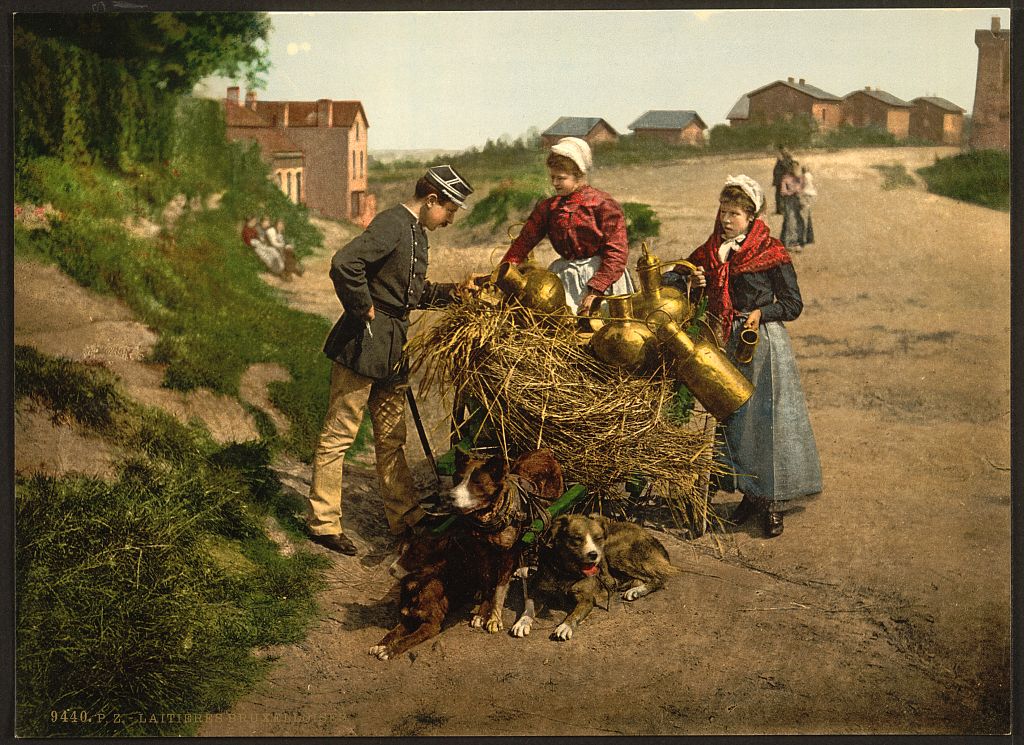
385, 267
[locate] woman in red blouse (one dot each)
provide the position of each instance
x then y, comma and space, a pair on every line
586, 227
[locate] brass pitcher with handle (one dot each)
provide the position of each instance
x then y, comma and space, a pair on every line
653, 296
622, 340
703, 367
539, 290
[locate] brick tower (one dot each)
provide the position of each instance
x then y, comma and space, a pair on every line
990, 125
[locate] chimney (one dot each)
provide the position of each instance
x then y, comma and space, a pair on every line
233, 94
790, 80
802, 81
324, 112
250, 100
995, 24
867, 87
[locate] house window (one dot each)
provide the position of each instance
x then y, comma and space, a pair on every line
356, 203
278, 179
353, 163
289, 192
362, 164
357, 130
298, 186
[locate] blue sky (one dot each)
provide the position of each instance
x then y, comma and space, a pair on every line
447, 79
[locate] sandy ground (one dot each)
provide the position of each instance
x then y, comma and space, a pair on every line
883, 608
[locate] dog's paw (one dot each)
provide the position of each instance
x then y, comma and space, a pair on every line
524, 572
380, 651
635, 592
562, 633
522, 627
476, 622
494, 624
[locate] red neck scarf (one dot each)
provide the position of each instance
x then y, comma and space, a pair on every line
758, 252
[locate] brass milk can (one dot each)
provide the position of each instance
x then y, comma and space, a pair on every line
706, 371
652, 296
538, 290
622, 340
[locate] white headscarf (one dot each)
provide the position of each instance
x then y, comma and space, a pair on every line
576, 150
750, 187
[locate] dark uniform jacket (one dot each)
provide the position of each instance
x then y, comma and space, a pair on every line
385, 267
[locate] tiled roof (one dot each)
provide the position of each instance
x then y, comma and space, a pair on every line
345, 113
740, 109
886, 98
940, 102
659, 119
810, 90
575, 126
240, 116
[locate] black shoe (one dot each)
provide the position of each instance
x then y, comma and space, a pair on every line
772, 523
335, 542
746, 510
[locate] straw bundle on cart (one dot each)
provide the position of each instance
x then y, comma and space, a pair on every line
540, 387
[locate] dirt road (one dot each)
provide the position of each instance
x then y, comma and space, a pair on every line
883, 608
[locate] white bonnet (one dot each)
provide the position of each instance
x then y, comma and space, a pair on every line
750, 187
576, 150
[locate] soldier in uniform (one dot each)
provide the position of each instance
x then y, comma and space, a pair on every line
380, 276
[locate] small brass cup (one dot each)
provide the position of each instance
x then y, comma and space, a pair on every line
746, 345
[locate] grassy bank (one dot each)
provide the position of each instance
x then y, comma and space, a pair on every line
194, 283
146, 593
981, 177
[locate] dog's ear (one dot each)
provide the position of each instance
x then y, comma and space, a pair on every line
461, 459
557, 526
497, 467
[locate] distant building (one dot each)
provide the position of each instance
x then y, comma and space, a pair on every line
316, 149
672, 127
990, 122
784, 100
936, 120
873, 107
590, 128
740, 112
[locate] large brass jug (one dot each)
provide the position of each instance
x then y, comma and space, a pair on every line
706, 371
539, 290
652, 296
623, 340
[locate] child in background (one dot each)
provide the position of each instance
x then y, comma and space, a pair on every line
751, 283
275, 237
808, 195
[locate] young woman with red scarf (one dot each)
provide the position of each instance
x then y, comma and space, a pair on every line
750, 282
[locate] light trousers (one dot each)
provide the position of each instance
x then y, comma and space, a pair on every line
351, 395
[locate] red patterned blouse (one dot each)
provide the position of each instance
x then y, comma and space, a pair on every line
579, 225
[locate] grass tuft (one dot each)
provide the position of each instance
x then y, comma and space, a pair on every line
981, 177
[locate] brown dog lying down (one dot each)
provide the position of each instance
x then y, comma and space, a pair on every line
496, 504
586, 558
477, 557
446, 575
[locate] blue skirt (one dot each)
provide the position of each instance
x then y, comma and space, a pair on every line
768, 442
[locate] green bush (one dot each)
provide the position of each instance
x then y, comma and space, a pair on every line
797, 132
641, 222
69, 390
506, 203
145, 594
632, 150
981, 177
849, 136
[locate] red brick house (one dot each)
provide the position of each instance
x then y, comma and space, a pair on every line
670, 127
873, 107
590, 128
784, 100
316, 149
936, 120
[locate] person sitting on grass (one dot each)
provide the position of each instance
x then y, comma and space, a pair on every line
275, 237
272, 259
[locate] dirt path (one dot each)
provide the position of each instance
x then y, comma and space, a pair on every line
884, 607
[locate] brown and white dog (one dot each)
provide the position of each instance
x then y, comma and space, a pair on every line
491, 499
586, 558
475, 559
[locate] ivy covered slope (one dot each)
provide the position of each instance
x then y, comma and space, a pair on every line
146, 592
